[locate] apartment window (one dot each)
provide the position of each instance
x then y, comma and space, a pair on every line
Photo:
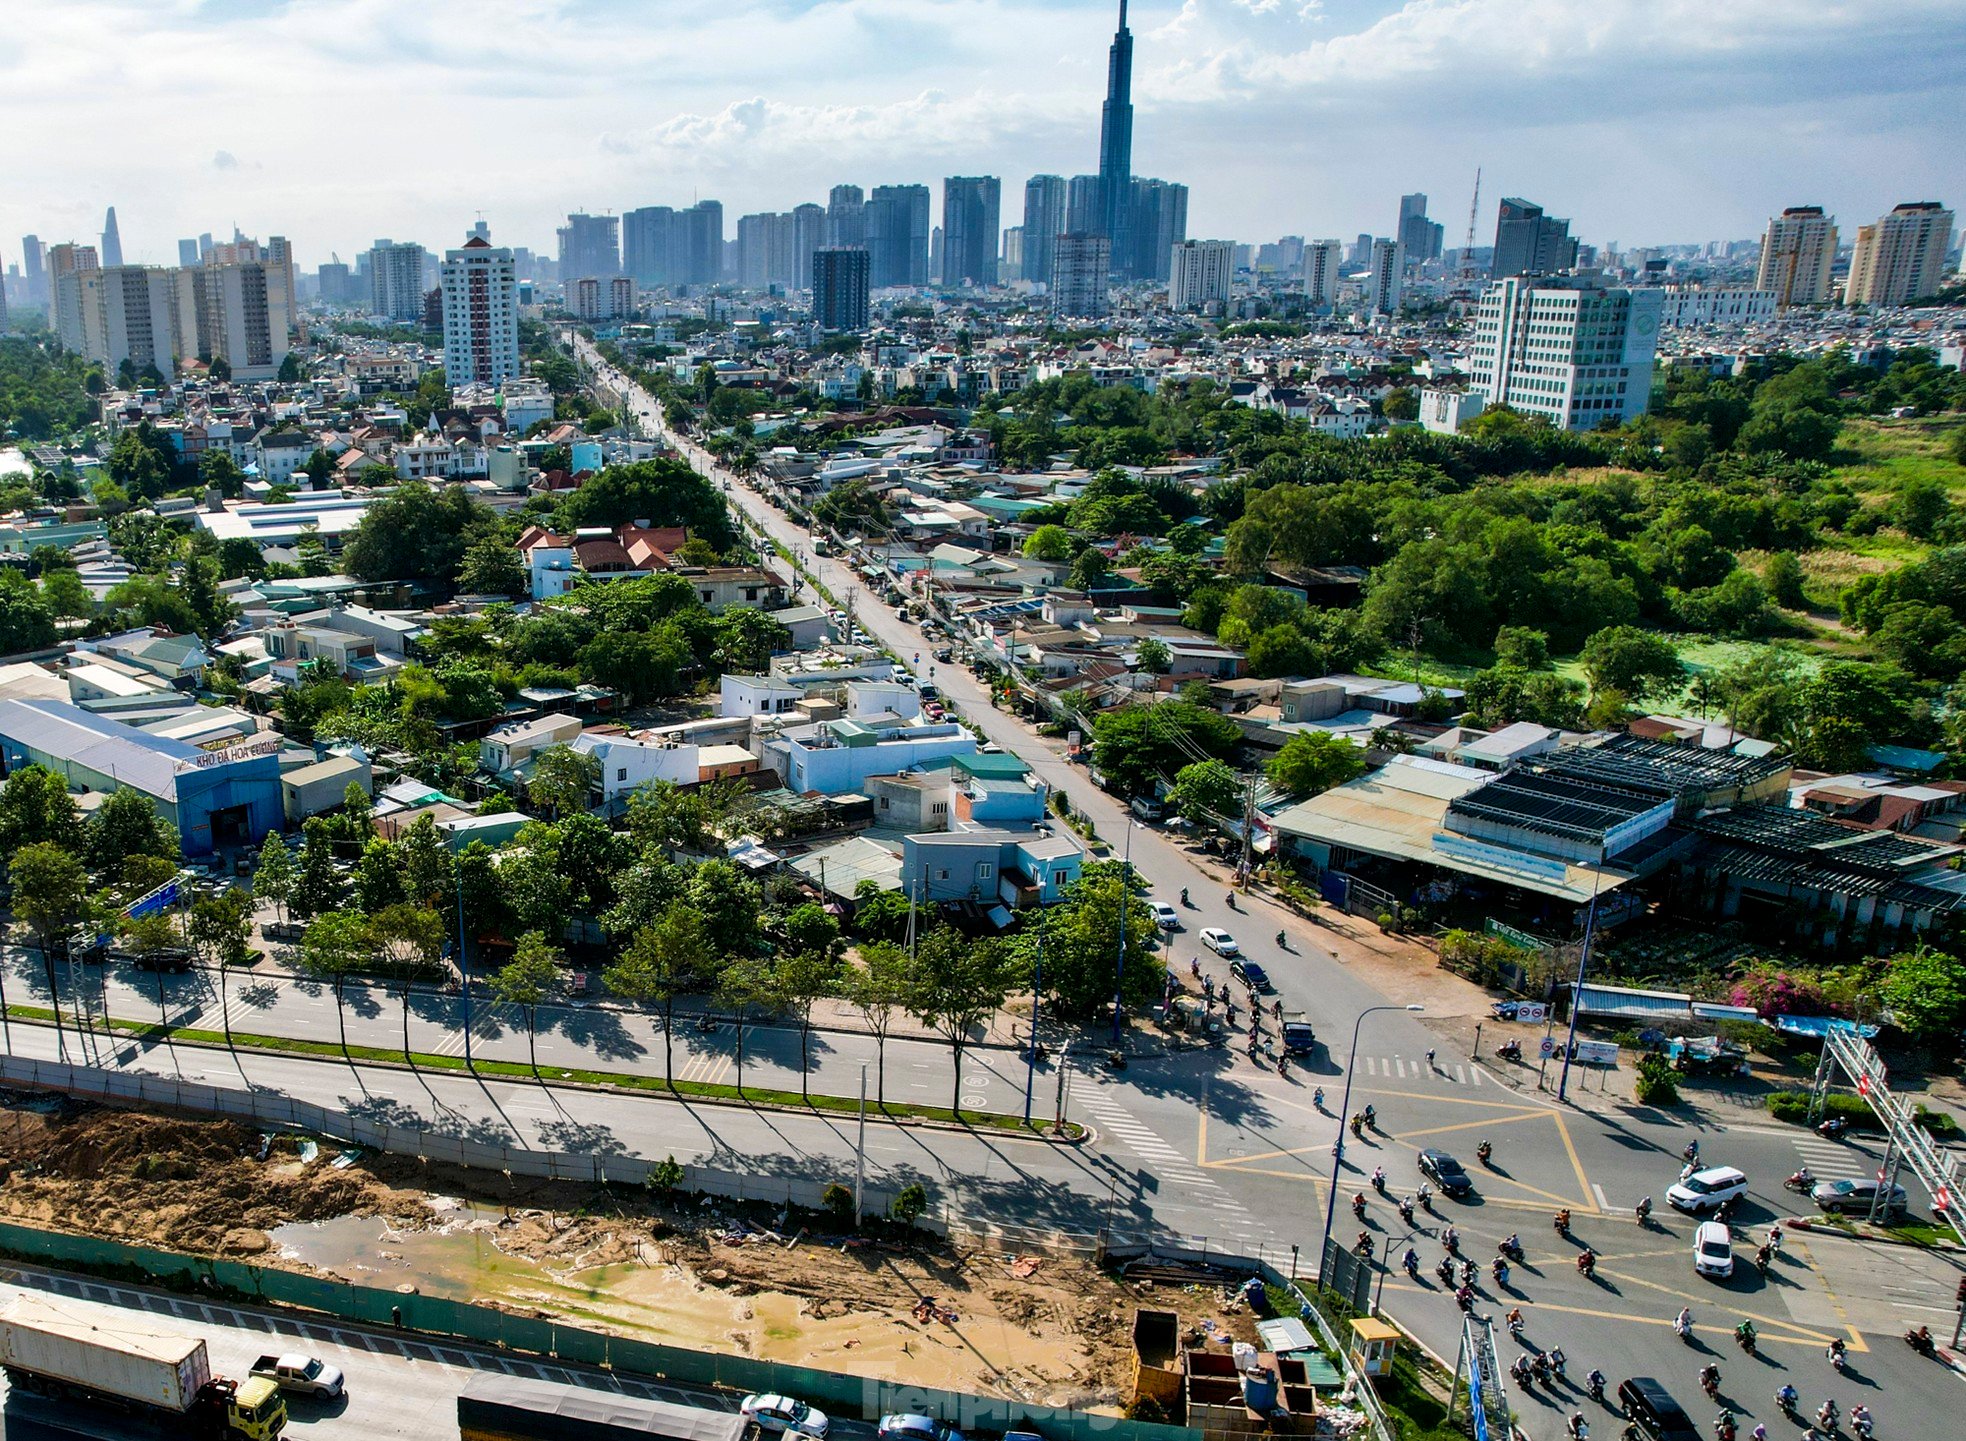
984, 870
884, 804
942, 875
622, 774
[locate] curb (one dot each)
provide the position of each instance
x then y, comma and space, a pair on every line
919, 1123
1810, 1227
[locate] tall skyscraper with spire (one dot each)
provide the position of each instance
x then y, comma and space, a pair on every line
112, 243
1116, 138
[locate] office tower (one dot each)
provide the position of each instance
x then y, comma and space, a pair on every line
703, 223
239, 319
204, 244
1901, 257
897, 235
1081, 270
1044, 222
33, 269
1085, 210
480, 316
1383, 276
336, 283
808, 235
1361, 252
1157, 221
1321, 261
1199, 273
1010, 260
971, 211
1419, 238
1565, 347
935, 256
5, 324
112, 242
590, 245
840, 283
1797, 254
1116, 139
187, 253
1528, 242
653, 248
754, 250
396, 281
846, 216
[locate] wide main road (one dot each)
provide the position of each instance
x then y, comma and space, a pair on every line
1205, 1133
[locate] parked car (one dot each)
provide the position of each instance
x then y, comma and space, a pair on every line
912, 1426
1147, 808
1854, 1198
784, 1415
1708, 1190
1713, 1249
1445, 1172
1220, 941
1653, 1413
1251, 975
1166, 917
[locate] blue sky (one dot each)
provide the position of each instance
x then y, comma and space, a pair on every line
338, 121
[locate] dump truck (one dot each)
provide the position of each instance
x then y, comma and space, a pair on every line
493, 1407
49, 1347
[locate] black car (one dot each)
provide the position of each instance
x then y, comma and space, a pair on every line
1653, 1413
1251, 975
1445, 1172
1299, 1039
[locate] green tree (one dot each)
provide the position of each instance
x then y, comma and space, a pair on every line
1135, 745
882, 915
525, 981
747, 638
1049, 542
221, 926
26, 622
1089, 569
379, 877
36, 807
663, 962
803, 978
1082, 939
1920, 505
879, 988
336, 946
1637, 663
958, 985
1925, 993
1206, 792
127, 824
1401, 404
317, 887
275, 875
491, 567
50, 894
729, 903
563, 780
415, 533
1312, 762
746, 983
429, 870
64, 594
1153, 656
1518, 645
1783, 576
218, 471
662, 492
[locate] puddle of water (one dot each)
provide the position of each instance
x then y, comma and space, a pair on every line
659, 1301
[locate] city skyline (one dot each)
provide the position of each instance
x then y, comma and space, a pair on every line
766, 106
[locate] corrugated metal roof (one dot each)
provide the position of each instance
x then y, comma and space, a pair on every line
55, 728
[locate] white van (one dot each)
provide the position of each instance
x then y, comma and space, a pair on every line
1713, 1249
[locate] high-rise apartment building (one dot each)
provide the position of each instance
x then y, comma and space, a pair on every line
112, 241
1157, 221
1085, 206
1528, 242
971, 216
897, 235
590, 245
1321, 261
335, 283
480, 287
1901, 257
1081, 274
840, 276
1565, 347
396, 281
846, 217
1797, 255
601, 297
1384, 277
1200, 273
1010, 260
64, 264
704, 223
33, 269
242, 319
1116, 141
654, 246
808, 235
1420, 239
1044, 222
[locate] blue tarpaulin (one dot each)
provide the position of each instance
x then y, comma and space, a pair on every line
1817, 1027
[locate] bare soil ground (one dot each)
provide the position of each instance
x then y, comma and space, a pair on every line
1051, 1329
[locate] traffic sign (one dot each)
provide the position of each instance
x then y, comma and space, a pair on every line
1547, 1048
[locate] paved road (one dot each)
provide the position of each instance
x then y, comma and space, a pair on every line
396, 1385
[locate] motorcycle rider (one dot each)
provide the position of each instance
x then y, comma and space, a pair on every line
1483, 1152
1514, 1320
1317, 1098
1691, 1153
1379, 1179
1411, 1261
1512, 1247
1557, 1362
1587, 1262
1920, 1340
1745, 1334
1644, 1210
1184, 895
1358, 1204
1710, 1379
1406, 1210
1561, 1221
1594, 1385
1787, 1398
1579, 1428
1451, 1239
1860, 1421
1835, 1352
1683, 1322
1501, 1269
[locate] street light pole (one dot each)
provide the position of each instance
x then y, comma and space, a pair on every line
463, 965
1344, 1122
1119, 971
1031, 1054
1577, 990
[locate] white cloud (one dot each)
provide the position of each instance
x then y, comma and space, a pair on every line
342, 121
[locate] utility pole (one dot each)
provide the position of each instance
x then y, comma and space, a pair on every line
860, 1151
1248, 866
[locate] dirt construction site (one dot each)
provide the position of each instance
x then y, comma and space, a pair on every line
687, 1271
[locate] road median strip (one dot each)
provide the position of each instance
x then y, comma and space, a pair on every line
753, 1097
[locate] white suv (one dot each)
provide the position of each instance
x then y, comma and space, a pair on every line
1708, 1190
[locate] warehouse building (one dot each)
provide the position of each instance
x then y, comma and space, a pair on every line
227, 795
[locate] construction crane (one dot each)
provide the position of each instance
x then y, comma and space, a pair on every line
1464, 282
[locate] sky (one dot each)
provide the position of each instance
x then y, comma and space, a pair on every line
335, 122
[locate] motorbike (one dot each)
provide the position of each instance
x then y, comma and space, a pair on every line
1515, 1323
1358, 1127
1370, 1117
1358, 1204
1283, 1065
1561, 1221
1468, 1272
1802, 1182
1860, 1422
1577, 1428
1317, 1099
1834, 1127
1691, 1154
1501, 1271
1724, 1427
1594, 1386
1379, 1180
1450, 1241
1230, 900
1511, 1248
1411, 1261
1510, 1050
1406, 1211
1836, 1357
1445, 1271
1283, 941
1184, 899
1710, 1381
1587, 1263
1785, 1402
1645, 1211
1826, 1417
1483, 1152
1682, 1325
1464, 1298
1744, 1336
1921, 1341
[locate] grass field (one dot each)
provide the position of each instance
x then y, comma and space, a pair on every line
1877, 457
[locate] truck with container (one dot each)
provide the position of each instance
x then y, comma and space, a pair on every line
49, 1347
496, 1407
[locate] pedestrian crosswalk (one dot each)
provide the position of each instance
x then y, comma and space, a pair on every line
1833, 1160
1401, 1068
1185, 1185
